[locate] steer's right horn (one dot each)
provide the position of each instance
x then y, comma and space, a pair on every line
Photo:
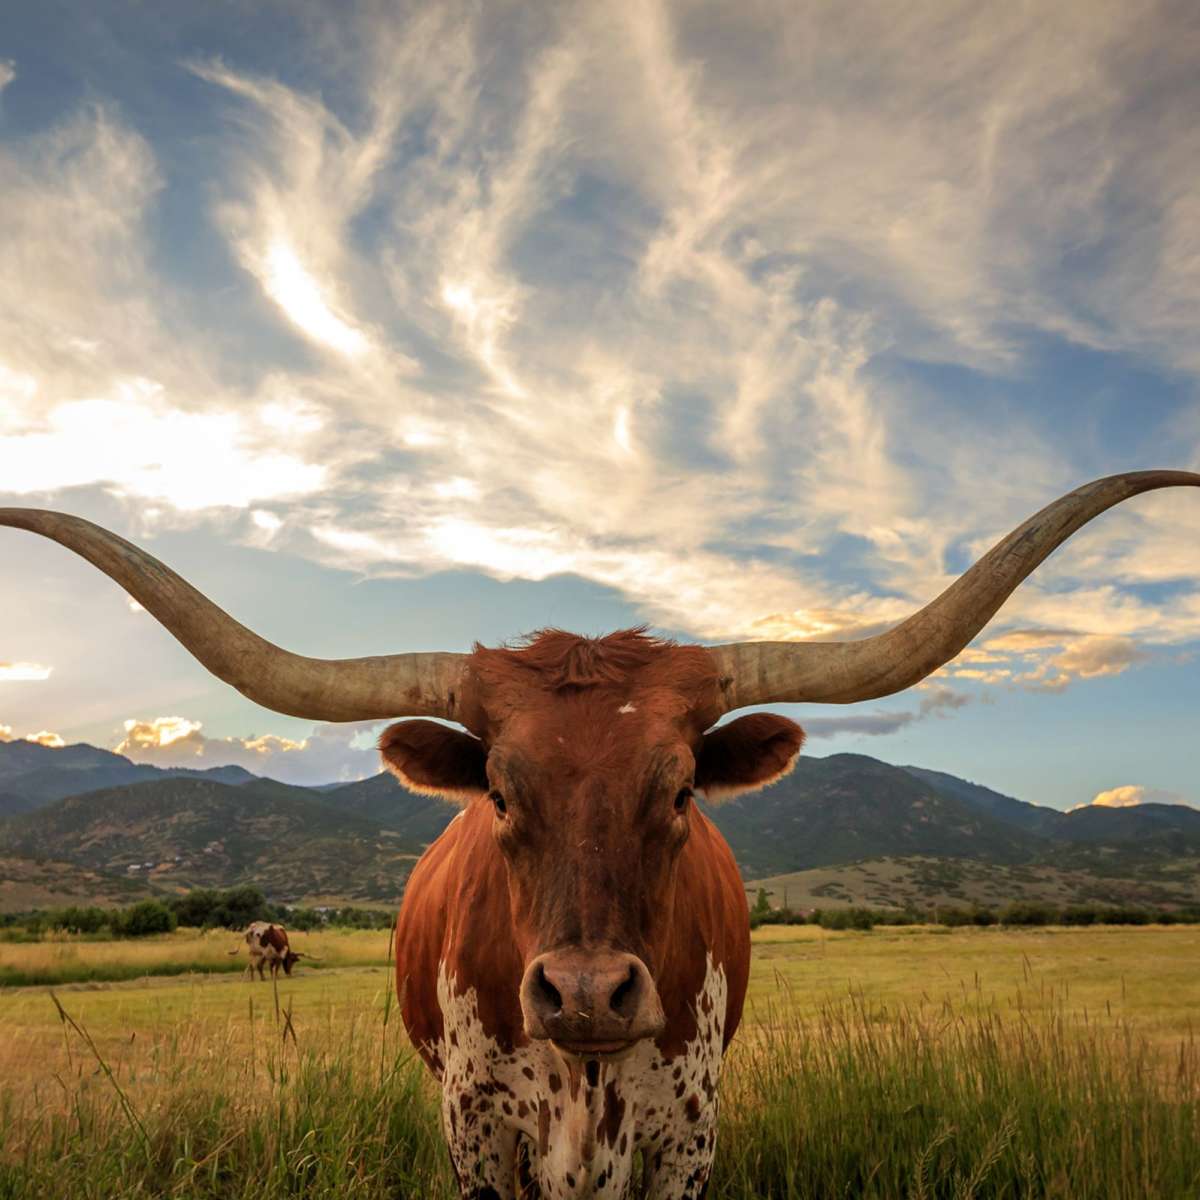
843, 672
339, 689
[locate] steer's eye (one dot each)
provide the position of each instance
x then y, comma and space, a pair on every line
681, 800
497, 802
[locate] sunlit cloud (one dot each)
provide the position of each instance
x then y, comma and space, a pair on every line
300, 296
329, 754
1130, 796
8, 72
156, 734
1047, 660
46, 738
1095, 657
190, 460
23, 672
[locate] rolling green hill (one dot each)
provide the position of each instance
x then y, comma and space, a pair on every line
180, 833
849, 807
358, 841
32, 775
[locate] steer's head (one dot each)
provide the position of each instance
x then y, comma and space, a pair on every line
589, 757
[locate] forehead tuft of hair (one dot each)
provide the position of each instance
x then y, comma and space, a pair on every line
561, 661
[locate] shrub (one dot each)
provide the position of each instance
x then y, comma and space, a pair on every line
147, 917
304, 918
239, 906
955, 917
361, 918
1028, 912
845, 918
78, 920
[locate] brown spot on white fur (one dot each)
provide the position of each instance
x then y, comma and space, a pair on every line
581, 1141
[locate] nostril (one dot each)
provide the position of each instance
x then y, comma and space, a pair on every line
546, 992
624, 992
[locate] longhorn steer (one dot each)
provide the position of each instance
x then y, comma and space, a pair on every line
267, 946
572, 953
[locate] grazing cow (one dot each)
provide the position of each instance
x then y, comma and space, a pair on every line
267, 945
572, 953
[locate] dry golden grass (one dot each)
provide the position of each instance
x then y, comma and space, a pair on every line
66, 958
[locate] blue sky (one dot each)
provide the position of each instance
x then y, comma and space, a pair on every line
401, 326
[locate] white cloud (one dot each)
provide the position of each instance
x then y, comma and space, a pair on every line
23, 672
1048, 659
158, 734
329, 754
46, 738
154, 452
1131, 795
8, 72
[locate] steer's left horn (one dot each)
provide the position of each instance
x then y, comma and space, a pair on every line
843, 672
339, 689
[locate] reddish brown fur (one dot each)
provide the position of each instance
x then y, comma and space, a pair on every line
494, 891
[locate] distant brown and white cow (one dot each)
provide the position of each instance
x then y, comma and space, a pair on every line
572, 953
267, 945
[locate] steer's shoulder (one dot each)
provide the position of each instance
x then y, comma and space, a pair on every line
455, 923
710, 930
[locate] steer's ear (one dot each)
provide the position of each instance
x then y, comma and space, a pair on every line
434, 759
747, 754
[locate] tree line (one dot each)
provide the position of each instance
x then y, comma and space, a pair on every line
203, 908
234, 909
1018, 913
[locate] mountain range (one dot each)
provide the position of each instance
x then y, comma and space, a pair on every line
141, 827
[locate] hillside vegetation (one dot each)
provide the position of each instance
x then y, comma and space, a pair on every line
180, 833
846, 816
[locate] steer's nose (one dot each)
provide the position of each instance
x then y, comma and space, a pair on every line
590, 1002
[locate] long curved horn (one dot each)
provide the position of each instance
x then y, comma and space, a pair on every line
345, 689
843, 672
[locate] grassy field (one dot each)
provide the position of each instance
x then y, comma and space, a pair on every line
895, 1063
64, 958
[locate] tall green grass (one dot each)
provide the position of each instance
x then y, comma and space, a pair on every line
927, 1103
888, 1102
111, 972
